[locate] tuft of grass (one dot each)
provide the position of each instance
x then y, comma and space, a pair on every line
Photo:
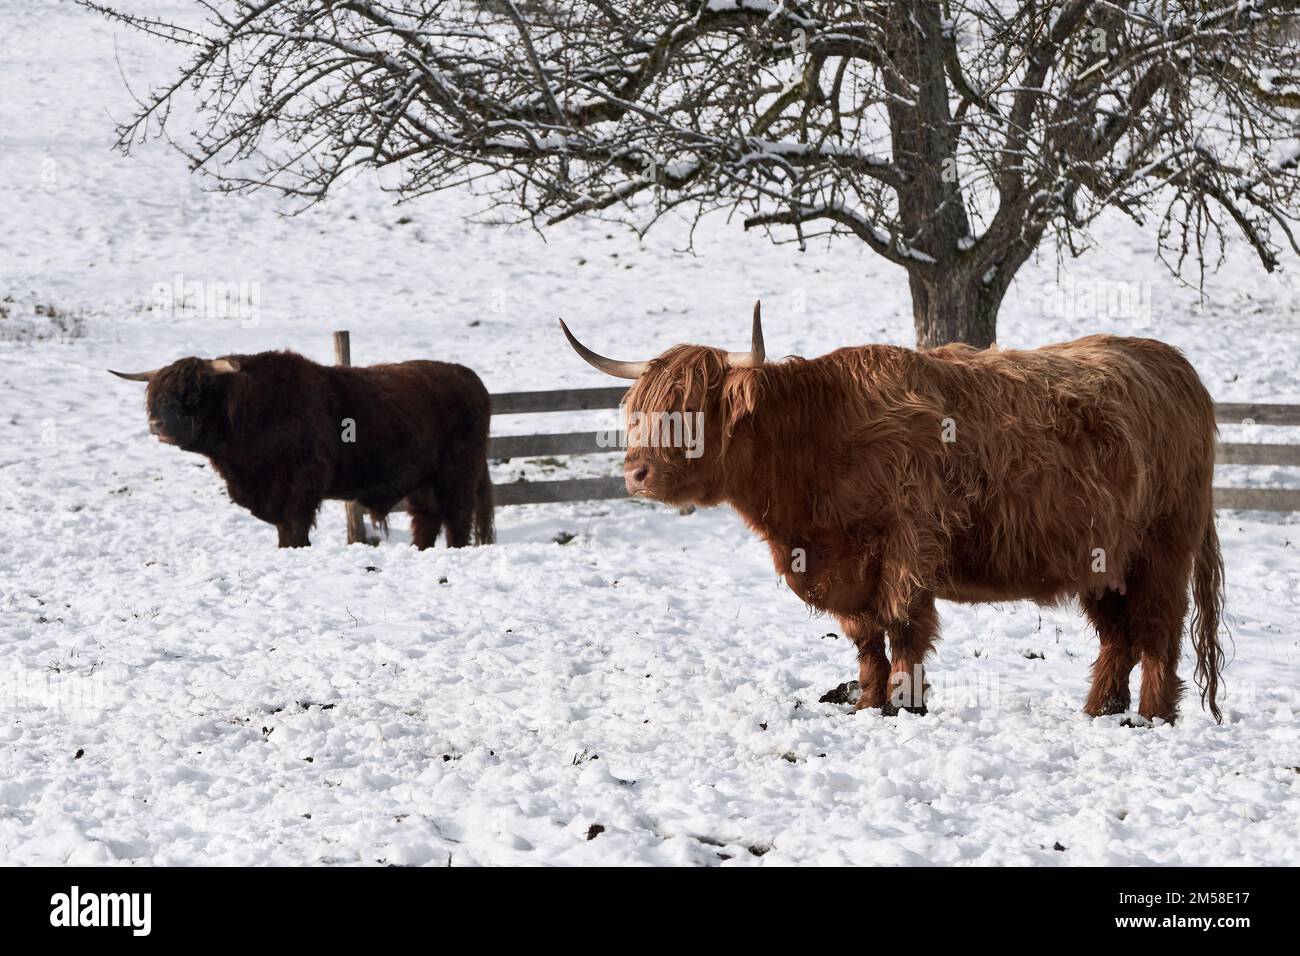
45, 322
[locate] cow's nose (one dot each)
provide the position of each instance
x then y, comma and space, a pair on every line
635, 477
155, 426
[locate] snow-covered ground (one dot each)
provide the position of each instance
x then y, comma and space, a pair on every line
174, 689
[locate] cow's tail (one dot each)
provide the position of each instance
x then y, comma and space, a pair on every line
484, 511
1207, 617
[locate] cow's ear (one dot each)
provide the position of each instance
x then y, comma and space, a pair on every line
224, 366
740, 394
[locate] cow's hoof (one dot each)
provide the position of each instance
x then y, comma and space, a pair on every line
891, 710
1109, 707
1136, 720
846, 693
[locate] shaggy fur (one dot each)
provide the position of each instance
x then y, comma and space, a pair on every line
883, 478
275, 430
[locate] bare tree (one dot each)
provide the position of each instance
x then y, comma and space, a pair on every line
949, 137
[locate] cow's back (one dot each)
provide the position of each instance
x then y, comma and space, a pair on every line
1079, 450
1037, 459
406, 419
1136, 401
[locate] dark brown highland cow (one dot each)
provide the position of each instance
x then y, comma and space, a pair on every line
883, 478
286, 433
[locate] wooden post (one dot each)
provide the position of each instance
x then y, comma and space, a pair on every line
356, 520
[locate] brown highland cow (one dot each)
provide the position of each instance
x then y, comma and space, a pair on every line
883, 478
286, 433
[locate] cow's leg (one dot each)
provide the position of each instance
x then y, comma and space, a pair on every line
873, 663
293, 532
293, 512
1157, 603
910, 641
426, 517
456, 494
1109, 613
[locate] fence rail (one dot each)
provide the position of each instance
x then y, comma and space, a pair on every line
564, 400
1257, 499
600, 399
535, 446
1232, 413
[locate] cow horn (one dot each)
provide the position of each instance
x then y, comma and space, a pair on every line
223, 366
756, 354
607, 365
135, 376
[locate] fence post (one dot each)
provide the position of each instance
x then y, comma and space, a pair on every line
356, 520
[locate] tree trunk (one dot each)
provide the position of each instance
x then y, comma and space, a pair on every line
952, 306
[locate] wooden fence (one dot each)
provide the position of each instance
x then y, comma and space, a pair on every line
593, 489
554, 445
1257, 453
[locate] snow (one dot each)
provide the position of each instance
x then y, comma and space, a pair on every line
178, 691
